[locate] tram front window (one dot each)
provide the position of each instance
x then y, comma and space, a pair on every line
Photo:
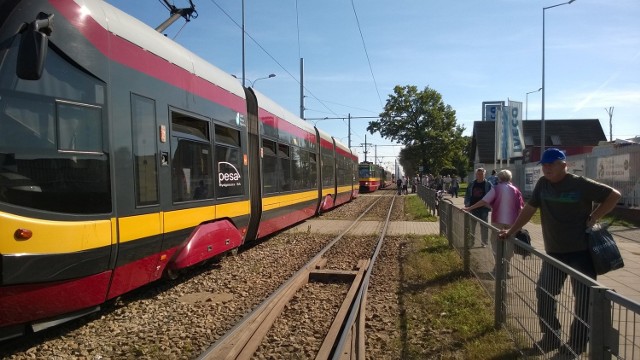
53, 163
364, 172
53, 148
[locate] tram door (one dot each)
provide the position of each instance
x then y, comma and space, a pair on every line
140, 224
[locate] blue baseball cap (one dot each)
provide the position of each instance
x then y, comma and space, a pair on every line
551, 155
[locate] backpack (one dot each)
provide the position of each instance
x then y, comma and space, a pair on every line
522, 235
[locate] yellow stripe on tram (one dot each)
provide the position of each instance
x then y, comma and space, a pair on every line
140, 226
51, 237
274, 202
186, 218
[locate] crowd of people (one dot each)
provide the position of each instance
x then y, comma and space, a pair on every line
568, 204
449, 184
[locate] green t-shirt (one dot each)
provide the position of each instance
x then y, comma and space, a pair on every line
564, 208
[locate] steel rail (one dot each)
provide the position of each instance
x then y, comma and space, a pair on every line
245, 337
352, 338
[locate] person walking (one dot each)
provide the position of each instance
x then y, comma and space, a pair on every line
447, 184
506, 202
476, 190
566, 207
455, 185
399, 185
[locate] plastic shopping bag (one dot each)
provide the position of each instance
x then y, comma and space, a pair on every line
604, 251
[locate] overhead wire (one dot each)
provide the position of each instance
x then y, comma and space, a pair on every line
364, 45
309, 92
272, 58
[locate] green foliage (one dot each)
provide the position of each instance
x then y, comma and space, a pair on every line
448, 170
426, 126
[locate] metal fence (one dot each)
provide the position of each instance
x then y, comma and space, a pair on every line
607, 321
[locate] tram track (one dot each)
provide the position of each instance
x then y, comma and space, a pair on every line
341, 270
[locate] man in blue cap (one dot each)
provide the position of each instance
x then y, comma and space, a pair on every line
566, 209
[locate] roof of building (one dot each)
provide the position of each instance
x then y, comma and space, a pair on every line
558, 133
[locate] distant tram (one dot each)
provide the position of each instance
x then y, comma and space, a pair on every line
125, 157
372, 177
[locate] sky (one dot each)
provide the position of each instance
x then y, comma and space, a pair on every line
356, 51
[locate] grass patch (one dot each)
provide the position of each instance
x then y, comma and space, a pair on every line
447, 315
415, 210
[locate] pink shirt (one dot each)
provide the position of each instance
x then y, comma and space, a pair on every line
506, 203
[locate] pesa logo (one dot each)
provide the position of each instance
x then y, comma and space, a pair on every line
228, 175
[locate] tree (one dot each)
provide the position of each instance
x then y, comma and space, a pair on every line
425, 125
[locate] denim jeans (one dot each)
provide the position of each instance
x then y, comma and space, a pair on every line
550, 283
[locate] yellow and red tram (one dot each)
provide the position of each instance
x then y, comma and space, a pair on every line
124, 157
372, 177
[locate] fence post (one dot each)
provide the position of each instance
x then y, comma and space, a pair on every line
500, 283
442, 220
600, 329
450, 210
468, 242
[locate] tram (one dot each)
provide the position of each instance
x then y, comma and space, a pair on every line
125, 158
372, 177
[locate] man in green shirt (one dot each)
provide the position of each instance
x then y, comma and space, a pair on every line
566, 208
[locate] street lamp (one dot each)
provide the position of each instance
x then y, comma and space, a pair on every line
542, 134
526, 106
252, 83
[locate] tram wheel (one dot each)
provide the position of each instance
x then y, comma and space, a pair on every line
173, 274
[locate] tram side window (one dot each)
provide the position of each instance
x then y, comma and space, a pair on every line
143, 118
285, 167
191, 175
229, 167
313, 171
269, 167
297, 170
327, 170
342, 171
227, 135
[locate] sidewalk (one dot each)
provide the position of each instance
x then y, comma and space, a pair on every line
625, 281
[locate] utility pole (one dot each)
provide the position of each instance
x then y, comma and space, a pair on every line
610, 112
375, 154
365, 147
349, 130
301, 88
